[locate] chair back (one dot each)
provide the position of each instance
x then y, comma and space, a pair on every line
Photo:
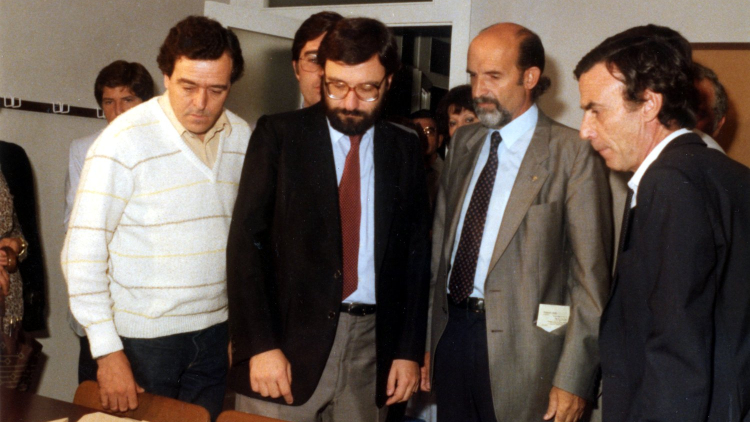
235, 416
151, 408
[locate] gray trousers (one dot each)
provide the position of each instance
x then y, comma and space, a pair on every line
346, 391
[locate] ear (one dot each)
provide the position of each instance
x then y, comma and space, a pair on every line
719, 126
651, 106
389, 79
531, 77
296, 70
166, 81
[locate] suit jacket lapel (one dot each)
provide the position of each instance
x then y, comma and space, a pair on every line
462, 164
385, 158
531, 176
317, 150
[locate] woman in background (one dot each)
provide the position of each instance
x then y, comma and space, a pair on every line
12, 249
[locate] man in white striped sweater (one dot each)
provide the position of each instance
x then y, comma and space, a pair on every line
144, 256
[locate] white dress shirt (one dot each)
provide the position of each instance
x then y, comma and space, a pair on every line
365, 292
650, 158
516, 139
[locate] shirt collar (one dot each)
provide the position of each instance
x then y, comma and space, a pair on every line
514, 130
336, 135
222, 123
650, 158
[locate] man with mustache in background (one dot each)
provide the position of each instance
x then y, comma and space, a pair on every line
522, 239
328, 251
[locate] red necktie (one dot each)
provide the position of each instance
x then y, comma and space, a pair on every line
350, 211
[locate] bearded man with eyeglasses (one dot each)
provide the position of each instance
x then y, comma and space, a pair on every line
328, 251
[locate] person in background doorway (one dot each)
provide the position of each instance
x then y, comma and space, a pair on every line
455, 109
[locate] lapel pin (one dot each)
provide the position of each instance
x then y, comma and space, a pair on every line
533, 178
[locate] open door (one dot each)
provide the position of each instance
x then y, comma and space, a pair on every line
266, 29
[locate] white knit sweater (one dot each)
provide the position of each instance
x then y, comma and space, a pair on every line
144, 254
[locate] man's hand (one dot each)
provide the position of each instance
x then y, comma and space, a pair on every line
564, 406
425, 373
117, 387
403, 381
271, 375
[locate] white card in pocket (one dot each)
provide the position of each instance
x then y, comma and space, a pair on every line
552, 317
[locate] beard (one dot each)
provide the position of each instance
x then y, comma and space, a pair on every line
494, 119
352, 122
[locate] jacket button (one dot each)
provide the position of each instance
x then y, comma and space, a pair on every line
337, 274
331, 315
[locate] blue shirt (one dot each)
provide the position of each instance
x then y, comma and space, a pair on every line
516, 139
365, 292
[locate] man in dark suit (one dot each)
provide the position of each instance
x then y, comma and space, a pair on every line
328, 254
518, 286
675, 335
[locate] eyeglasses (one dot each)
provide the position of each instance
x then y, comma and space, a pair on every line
338, 90
429, 130
309, 63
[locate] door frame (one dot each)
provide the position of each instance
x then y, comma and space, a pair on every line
256, 16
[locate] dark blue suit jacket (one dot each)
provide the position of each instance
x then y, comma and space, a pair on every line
675, 335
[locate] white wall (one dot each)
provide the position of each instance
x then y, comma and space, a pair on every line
571, 28
51, 51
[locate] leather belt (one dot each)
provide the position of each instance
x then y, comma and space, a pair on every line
358, 309
473, 304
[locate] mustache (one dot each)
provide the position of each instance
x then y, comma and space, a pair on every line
352, 113
486, 99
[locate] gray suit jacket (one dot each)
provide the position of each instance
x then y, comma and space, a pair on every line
554, 247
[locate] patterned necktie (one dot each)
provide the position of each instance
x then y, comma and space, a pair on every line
350, 211
465, 264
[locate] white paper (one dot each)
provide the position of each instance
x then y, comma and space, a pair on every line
104, 417
552, 317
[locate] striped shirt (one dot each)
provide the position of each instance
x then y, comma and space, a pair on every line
144, 254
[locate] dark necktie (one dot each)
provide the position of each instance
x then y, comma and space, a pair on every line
625, 222
350, 212
465, 265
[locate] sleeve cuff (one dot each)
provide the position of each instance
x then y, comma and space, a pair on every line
103, 339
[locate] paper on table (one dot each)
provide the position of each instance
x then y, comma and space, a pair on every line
552, 317
104, 417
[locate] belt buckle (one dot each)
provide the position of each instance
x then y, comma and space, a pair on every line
477, 306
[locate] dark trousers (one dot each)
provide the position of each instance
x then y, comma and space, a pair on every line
87, 366
191, 367
462, 373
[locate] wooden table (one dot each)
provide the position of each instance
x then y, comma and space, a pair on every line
16, 406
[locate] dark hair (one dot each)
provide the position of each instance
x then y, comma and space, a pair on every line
721, 102
200, 38
121, 73
531, 54
422, 114
655, 58
313, 27
460, 98
356, 40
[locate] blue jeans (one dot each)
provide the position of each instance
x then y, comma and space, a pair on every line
191, 367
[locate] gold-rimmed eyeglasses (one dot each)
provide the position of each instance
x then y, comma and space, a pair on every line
338, 90
309, 63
